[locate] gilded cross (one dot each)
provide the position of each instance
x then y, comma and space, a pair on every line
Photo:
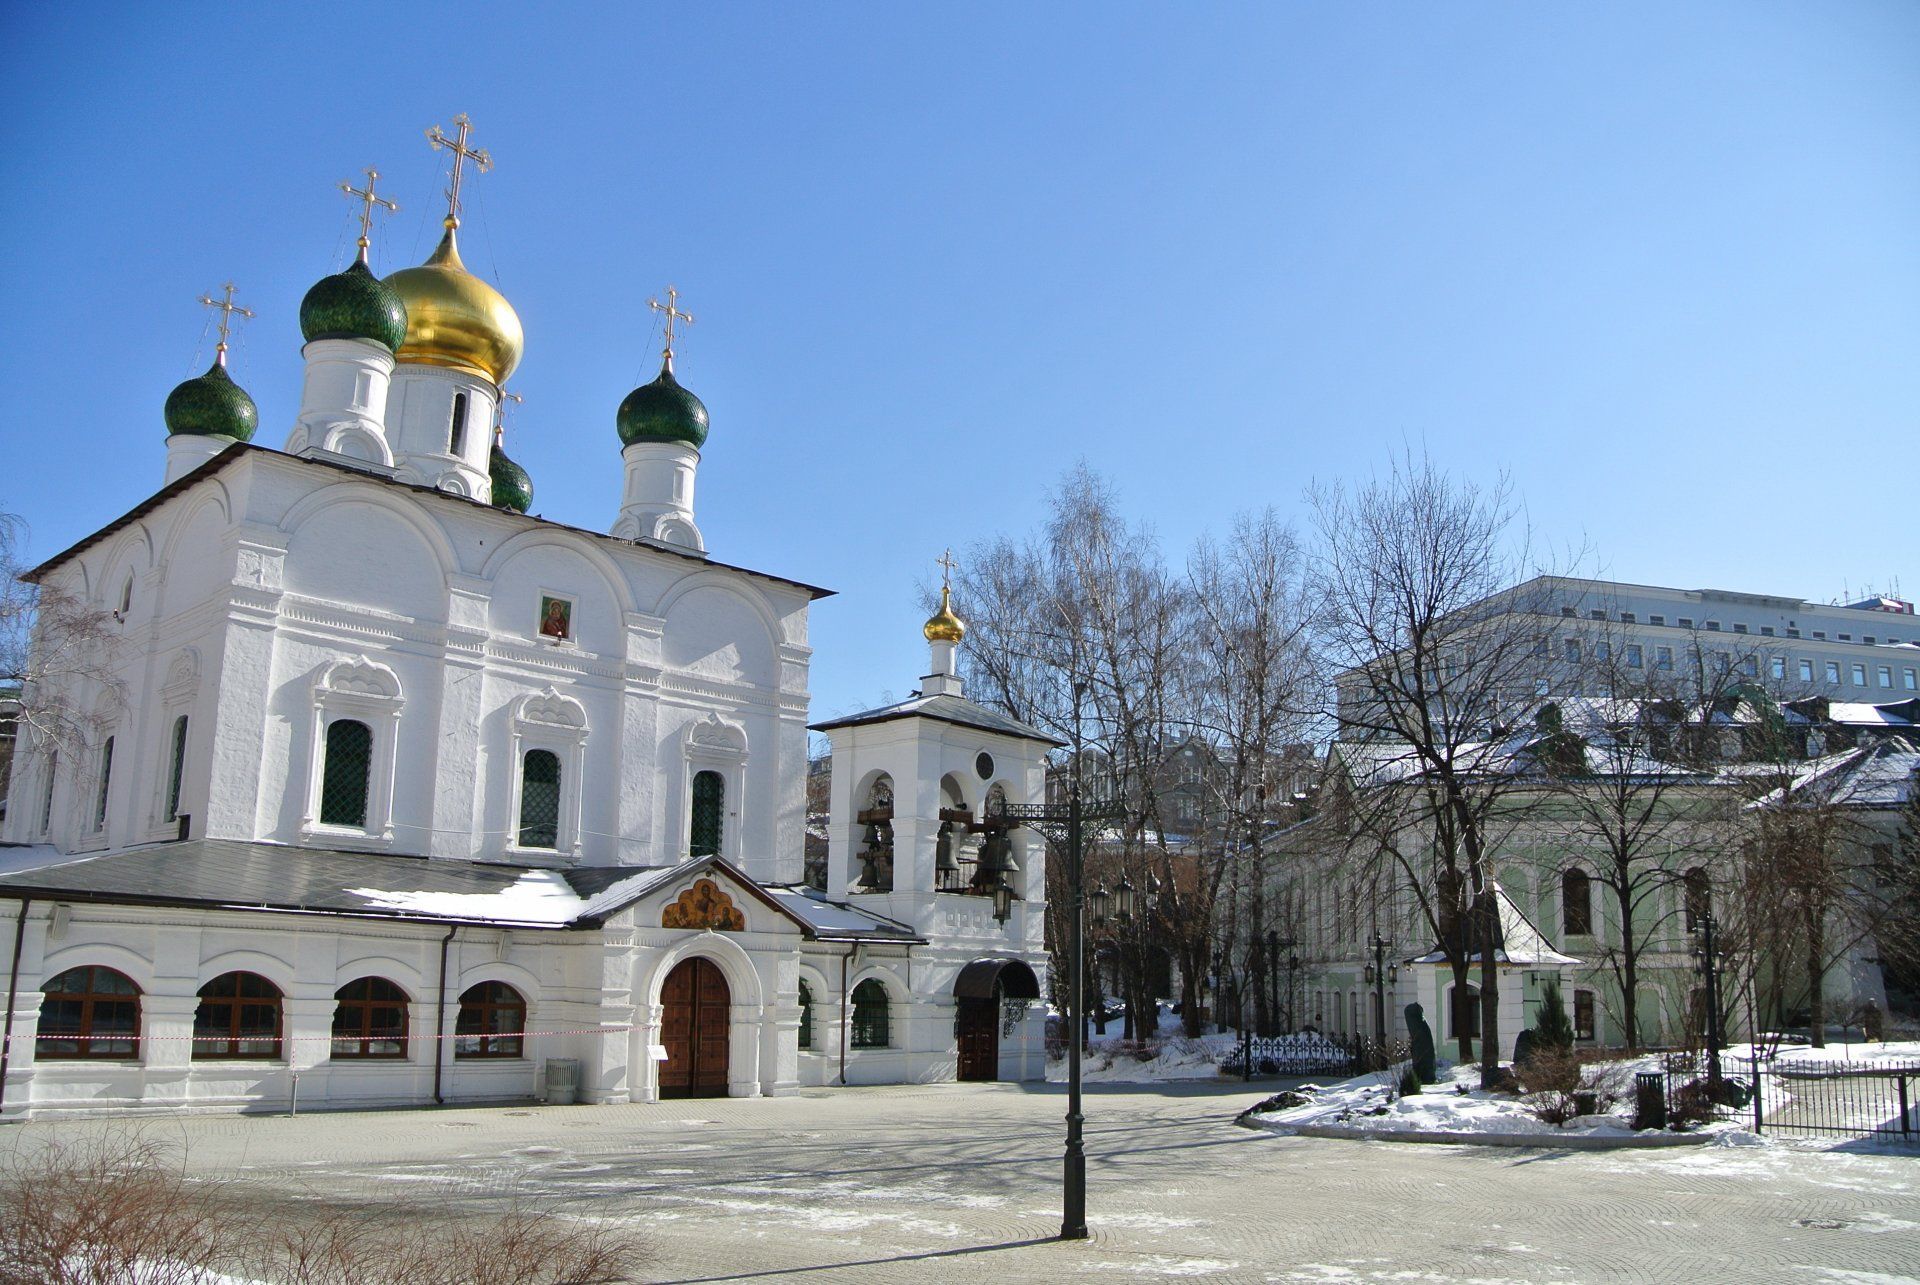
946, 564
367, 201
461, 154
227, 308
672, 314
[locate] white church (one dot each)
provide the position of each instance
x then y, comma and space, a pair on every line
393, 794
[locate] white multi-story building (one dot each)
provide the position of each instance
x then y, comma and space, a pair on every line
391, 793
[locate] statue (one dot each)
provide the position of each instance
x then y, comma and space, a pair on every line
1421, 1037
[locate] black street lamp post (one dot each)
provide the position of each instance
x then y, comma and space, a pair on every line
1380, 974
1710, 967
1063, 827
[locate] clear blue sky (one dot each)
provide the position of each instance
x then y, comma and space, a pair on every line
1660, 261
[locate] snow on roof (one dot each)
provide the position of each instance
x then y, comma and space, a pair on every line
835, 920
1881, 775
1520, 942
18, 857
944, 708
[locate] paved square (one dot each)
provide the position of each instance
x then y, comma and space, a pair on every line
961, 1182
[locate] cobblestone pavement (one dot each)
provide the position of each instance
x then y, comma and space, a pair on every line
961, 1182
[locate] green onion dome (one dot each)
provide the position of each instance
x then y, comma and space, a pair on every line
512, 488
212, 405
354, 304
662, 412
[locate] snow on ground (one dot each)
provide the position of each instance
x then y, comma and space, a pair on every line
1170, 1055
1457, 1105
1880, 1053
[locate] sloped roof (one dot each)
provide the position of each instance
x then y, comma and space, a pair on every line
228, 874
957, 710
1881, 775
1521, 944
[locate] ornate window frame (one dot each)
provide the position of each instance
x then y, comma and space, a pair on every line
364, 689
553, 721
714, 744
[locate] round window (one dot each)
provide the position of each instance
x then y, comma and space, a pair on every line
984, 766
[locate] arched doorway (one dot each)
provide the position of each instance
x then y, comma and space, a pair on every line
694, 1029
979, 993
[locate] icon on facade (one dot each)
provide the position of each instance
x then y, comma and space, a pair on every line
556, 618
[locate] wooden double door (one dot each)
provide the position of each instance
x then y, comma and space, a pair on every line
978, 1023
694, 1029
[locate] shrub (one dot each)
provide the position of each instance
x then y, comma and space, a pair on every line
119, 1210
1409, 1081
1549, 1079
1553, 1029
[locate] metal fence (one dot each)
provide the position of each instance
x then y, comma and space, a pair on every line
1313, 1053
1791, 1097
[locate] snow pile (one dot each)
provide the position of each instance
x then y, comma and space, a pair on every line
1456, 1104
1116, 1061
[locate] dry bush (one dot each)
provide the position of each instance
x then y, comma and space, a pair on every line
1549, 1078
120, 1211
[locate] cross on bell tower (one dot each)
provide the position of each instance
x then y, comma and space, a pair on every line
461, 154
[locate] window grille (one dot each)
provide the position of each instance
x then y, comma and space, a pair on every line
106, 780
492, 1022
871, 1028
349, 768
238, 1017
540, 799
178, 766
53, 776
370, 1019
89, 1012
709, 794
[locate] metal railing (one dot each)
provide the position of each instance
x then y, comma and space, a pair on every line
1314, 1053
1792, 1097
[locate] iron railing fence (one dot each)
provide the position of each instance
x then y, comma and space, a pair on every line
1796, 1097
1315, 1053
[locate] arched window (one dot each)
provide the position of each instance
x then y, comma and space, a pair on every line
709, 797
806, 1015
349, 768
90, 1012
239, 1016
176, 766
1576, 903
1699, 897
126, 597
1583, 1015
872, 1028
492, 1022
46, 799
457, 429
370, 1019
106, 781
540, 799
1463, 1013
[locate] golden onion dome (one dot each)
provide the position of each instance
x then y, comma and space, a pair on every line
943, 625
455, 319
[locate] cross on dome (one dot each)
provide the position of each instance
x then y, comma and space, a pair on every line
227, 308
461, 154
672, 313
367, 201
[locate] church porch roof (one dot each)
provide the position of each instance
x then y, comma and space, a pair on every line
944, 708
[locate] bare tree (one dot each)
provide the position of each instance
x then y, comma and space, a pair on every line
1423, 611
58, 649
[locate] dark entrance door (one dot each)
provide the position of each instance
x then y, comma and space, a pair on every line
979, 1039
694, 1030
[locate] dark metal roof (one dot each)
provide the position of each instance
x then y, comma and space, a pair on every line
1015, 977
227, 457
945, 709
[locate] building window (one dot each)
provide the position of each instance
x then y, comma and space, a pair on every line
1583, 1015
89, 1012
1569, 612
106, 782
1806, 670
1820, 635
349, 770
1596, 615
1633, 655
872, 1028
176, 766
1777, 667
1846, 637
1793, 633
1712, 625
238, 1017
1686, 622
1739, 629
1626, 617
540, 799
1656, 620
1463, 1013
1909, 679
1663, 658
53, 775
1572, 649
457, 428
492, 1022
1833, 672
1698, 897
1766, 631
806, 1014
709, 798
1885, 674
1859, 675
1867, 639
1602, 652
370, 1019
1576, 903
1750, 666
